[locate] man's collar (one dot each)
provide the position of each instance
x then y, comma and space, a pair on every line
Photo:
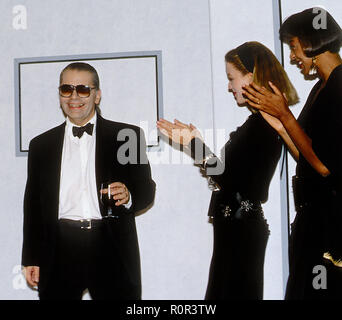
69, 124
92, 120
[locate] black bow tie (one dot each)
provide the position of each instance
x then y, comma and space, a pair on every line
78, 131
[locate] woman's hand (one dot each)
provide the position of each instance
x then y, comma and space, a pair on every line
178, 132
274, 103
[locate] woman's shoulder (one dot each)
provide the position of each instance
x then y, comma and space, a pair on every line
257, 128
244, 128
333, 93
335, 80
252, 121
258, 123
337, 72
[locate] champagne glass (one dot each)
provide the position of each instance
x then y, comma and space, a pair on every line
107, 200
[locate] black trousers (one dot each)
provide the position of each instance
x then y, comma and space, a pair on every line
86, 259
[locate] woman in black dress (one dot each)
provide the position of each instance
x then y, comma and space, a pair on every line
241, 180
315, 141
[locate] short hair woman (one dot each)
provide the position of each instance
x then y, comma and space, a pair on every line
315, 141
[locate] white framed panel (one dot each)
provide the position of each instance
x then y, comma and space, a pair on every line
130, 85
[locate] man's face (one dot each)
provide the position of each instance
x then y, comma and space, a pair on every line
79, 110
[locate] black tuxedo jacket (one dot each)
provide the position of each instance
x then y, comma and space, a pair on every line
42, 195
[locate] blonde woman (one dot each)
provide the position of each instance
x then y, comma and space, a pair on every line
250, 158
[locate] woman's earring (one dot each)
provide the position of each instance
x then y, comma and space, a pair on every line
313, 68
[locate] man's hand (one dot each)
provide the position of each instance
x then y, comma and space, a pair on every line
31, 274
119, 192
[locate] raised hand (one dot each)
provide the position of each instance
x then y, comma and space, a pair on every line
178, 131
273, 103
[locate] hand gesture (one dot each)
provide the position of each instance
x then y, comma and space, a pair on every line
178, 132
274, 103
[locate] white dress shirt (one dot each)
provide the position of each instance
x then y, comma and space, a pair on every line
78, 192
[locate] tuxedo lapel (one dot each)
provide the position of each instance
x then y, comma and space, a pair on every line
106, 167
101, 155
54, 159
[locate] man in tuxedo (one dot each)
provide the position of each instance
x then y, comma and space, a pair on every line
69, 243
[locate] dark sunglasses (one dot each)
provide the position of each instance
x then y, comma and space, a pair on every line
66, 90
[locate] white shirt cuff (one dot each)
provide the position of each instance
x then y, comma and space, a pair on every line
129, 204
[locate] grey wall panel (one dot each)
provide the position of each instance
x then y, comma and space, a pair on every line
131, 86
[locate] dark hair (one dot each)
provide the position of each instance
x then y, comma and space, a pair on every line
82, 66
314, 37
257, 59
